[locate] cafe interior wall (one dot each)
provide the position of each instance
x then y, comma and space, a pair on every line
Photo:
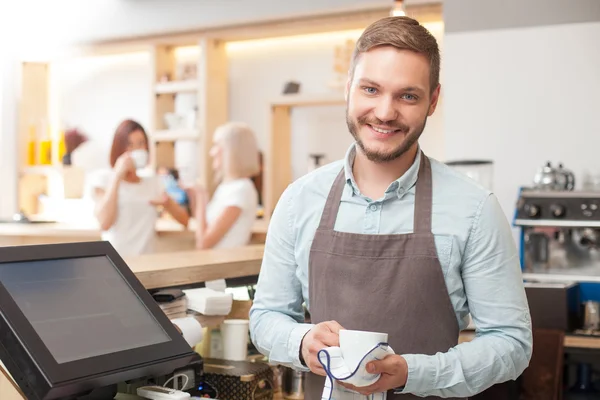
522, 84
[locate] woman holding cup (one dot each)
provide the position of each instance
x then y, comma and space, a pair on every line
126, 197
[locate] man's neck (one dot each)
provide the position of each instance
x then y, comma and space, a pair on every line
373, 178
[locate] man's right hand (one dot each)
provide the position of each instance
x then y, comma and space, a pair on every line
325, 334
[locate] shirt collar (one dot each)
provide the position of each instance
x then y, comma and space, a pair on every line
400, 185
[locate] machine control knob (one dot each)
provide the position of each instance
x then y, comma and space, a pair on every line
588, 210
531, 210
557, 210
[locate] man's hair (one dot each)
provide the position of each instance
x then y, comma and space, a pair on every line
403, 33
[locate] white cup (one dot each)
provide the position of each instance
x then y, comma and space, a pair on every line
356, 344
140, 158
234, 333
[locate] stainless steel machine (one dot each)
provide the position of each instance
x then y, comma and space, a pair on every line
560, 235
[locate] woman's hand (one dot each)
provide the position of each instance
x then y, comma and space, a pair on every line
124, 165
161, 200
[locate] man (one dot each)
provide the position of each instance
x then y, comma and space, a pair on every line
341, 240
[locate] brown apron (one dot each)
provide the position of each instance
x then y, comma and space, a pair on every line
382, 283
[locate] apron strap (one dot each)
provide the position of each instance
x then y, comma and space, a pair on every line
332, 205
423, 197
423, 200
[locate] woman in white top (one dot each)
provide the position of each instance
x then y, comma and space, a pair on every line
127, 196
227, 220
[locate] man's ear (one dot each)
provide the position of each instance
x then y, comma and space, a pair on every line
435, 96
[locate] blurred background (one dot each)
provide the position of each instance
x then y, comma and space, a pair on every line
519, 84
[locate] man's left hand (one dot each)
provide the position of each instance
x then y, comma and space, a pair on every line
394, 373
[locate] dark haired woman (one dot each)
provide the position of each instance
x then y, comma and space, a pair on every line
127, 195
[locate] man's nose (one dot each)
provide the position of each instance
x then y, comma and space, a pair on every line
386, 110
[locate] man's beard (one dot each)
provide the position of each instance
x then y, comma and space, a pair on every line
379, 157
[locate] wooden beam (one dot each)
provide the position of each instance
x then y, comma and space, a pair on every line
278, 169
212, 102
163, 64
297, 25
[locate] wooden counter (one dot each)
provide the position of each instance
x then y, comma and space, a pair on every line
192, 267
171, 236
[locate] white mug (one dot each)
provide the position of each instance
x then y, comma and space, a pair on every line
140, 158
235, 339
356, 344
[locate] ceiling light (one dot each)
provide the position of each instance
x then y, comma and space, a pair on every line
398, 10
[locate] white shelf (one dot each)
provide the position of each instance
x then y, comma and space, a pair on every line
40, 169
171, 135
308, 100
188, 86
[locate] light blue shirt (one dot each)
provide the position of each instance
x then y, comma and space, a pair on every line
477, 254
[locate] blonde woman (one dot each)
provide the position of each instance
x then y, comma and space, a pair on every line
227, 220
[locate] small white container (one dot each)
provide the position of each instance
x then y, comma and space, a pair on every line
234, 333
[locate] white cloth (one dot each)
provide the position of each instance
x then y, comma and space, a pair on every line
332, 360
237, 193
133, 232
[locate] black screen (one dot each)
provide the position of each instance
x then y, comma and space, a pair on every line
80, 307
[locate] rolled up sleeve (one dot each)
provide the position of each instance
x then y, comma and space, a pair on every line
277, 314
498, 305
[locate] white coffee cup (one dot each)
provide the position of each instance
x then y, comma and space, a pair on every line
140, 158
234, 333
356, 344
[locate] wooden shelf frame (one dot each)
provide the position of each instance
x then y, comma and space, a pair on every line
278, 168
210, 87
174, 87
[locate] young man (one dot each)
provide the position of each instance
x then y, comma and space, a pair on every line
390, 241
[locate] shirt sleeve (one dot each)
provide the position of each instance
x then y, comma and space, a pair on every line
498, 305
277, 315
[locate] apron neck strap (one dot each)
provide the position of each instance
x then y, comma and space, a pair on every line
423, 199
332, 205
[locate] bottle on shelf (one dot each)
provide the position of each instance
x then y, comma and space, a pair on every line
45, 146
61, 146
31, 147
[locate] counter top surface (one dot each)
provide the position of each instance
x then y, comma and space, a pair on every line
90, 229
191, 267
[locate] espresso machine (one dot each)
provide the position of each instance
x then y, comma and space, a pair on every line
560, 237
560, 259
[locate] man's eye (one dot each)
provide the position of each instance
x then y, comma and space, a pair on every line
370, 90
409, 97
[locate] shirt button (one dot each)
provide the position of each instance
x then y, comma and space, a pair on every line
373, 207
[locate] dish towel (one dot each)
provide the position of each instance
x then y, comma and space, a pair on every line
336, 368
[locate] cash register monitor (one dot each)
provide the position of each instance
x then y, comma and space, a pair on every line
73, 318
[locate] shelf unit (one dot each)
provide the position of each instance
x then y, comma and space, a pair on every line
171, 135
211, 78
174, 87
278, 168
211, 86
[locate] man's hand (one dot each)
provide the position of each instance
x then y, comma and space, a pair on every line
394, 373
325, 334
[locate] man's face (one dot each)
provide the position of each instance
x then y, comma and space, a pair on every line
388, 101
